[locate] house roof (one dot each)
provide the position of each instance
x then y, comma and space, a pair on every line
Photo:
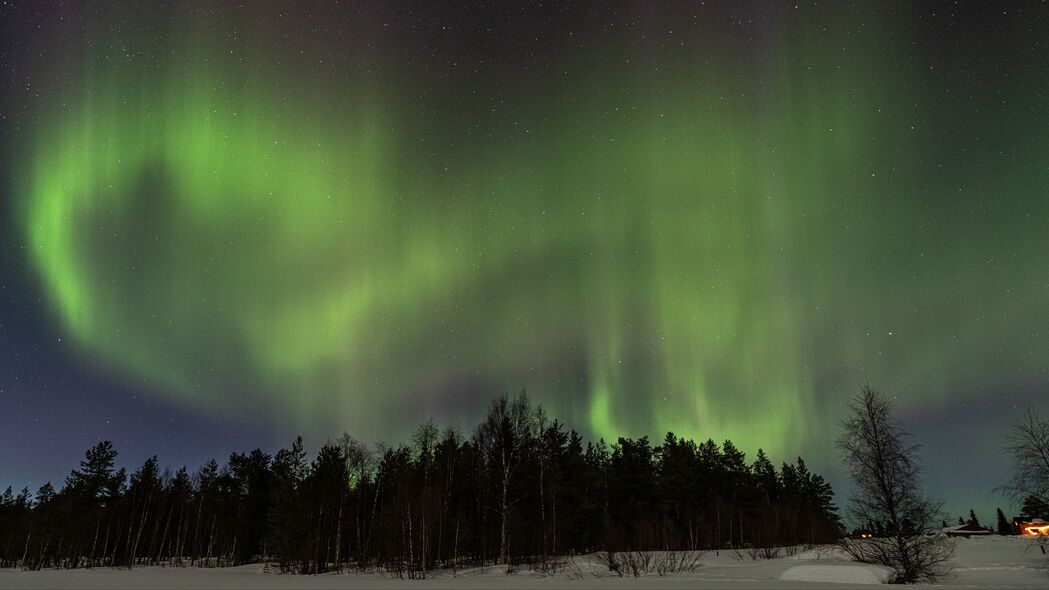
969, 529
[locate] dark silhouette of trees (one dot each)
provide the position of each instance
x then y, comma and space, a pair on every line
522, 489
1003, 527
507, 433
1028, 443
284, 518
884, 468
1035, 507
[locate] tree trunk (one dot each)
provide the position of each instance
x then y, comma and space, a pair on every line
455, 551
196, 531
94, 543
180, 534
211, 539
504, 553
542, 507
25, 552
142, 525
105, 546
338, 539
164, 536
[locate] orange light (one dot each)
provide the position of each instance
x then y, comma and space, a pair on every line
1035, 530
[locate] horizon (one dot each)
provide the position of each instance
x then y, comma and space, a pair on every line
227, 225
839, 481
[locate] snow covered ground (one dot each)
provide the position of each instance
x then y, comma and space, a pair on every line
995, 562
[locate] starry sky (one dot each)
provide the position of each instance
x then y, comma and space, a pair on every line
224, 224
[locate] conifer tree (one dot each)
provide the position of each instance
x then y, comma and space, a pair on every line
284, 517
1035, 507
1003, 526
443, 501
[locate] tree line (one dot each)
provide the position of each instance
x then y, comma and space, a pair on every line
1032, 507
520, 489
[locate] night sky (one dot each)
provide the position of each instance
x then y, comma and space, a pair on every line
224, 225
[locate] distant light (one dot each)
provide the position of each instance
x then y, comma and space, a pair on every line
1035, 530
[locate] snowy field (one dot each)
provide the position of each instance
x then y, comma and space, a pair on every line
995, 562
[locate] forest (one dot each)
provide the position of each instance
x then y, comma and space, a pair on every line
521, 489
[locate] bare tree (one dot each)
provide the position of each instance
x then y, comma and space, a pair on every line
360, 468
1029, 445
504, 436
885, 470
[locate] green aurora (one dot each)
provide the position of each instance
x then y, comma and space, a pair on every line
707, 234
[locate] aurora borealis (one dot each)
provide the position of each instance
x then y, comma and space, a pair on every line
716, 219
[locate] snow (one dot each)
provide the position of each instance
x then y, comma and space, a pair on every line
1000, 562
982, 562
966, 529
840, 574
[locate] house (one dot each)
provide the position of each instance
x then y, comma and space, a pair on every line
966, 530
1031, 527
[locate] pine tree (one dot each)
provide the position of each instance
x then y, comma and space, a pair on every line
284, 518
95, 477
1035, 507
972, 518
632, 491
1003, 525
180, 492
252, 480
766, 477
45, 494
323, 502
439, 502
143, 492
